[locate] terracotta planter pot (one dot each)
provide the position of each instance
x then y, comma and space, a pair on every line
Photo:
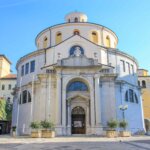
125, 133
48, 134
36, 134
111, 134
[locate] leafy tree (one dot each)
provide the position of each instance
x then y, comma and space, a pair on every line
8, 110
3, 114
5, 110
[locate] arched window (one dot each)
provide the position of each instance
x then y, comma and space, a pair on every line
138, 83
130, 96
24, 97
45, 42
94, 37
20, 99
76, 32
76, 48
108, 41
143, 84
58, 38
126, 96
76, 20
77, 86
136, 98
29, 97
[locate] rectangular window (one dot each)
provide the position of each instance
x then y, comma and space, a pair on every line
123, 65
22, 70
32, 66
9, 87
3, 87
27, 68
128, 67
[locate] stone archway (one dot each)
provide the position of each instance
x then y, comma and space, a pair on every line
77, 96
78, 120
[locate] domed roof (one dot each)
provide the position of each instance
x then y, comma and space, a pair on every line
76, 17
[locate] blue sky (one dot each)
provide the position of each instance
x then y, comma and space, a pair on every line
22, 20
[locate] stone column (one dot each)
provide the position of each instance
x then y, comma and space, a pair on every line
43, 98
97, 101
64, 108
59, 101
92, 109
68, 118
49, 97
87, 116
69, 115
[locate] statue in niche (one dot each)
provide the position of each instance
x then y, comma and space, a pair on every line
77, 52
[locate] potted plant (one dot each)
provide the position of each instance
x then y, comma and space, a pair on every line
123, 125
48, 129
14, 131
35, 132
111, 132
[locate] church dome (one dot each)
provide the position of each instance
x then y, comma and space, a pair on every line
76, 17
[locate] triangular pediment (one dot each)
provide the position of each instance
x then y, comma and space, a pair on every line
76, 39
80, 96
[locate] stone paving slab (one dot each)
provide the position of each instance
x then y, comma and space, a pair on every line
75, 143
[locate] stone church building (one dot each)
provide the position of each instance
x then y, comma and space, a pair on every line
78, 79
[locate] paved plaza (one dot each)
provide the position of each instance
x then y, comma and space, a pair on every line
75, 143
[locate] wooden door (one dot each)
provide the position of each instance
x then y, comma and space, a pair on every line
78, 121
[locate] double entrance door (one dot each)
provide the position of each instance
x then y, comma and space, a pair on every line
78, 121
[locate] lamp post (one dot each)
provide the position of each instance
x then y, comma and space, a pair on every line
123, 108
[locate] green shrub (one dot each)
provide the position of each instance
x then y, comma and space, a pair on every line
47, 125
14, 128
112, 124
35, 125
123, 124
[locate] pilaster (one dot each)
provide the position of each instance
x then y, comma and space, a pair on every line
97, 100
59, 100
92, 108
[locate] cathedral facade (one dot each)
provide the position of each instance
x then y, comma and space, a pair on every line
77, 79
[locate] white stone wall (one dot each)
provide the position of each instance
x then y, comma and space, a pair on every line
134, 112
108, 100
85, 31
39, 63
49, 97
24, 119
7, 93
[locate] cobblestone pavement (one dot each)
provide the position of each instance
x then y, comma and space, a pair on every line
75, 143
